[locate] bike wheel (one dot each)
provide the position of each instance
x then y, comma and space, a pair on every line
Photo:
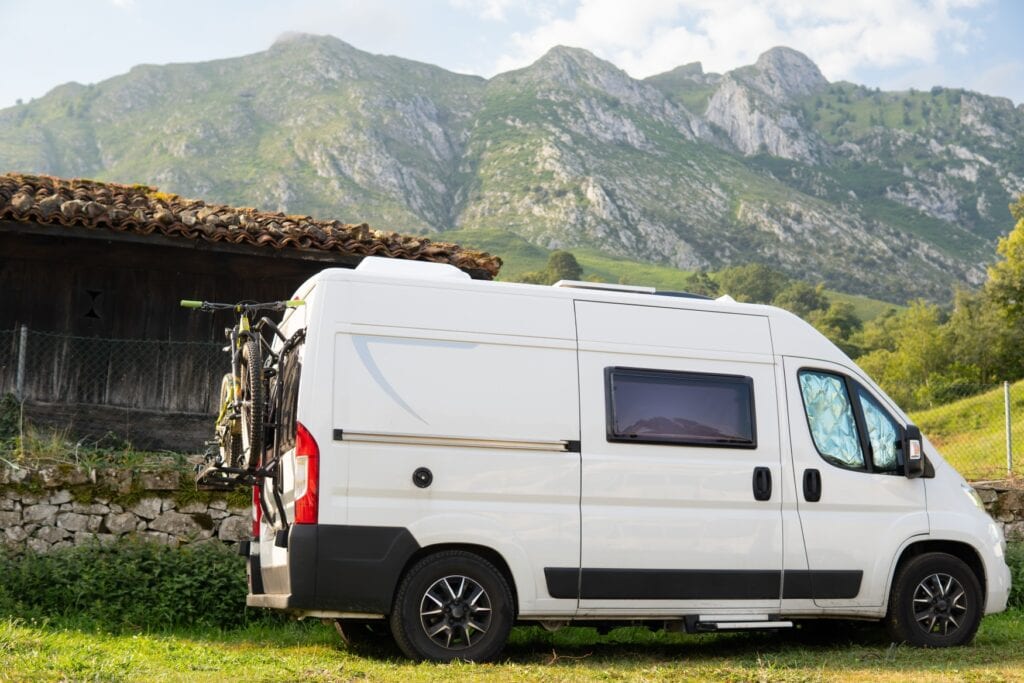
229, 438
250, 371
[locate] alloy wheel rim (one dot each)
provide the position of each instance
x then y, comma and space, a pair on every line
455, 612
940, 604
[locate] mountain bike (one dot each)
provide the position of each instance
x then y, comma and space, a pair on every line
239, 430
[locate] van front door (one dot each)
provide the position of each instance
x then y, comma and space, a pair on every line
856, 508
681, 495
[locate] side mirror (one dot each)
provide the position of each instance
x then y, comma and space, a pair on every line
913, 456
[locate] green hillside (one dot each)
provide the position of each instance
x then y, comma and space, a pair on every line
970, 433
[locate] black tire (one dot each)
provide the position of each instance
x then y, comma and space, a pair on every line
229, 440
468, 625
250, 370
936, 601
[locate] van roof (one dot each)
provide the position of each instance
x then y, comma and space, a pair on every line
791, 335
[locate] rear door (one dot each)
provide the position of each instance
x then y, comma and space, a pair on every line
679, 426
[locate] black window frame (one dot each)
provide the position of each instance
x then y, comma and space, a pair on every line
609, 400
851, 385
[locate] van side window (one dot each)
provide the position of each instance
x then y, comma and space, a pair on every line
683, 408
883, 433
830, 417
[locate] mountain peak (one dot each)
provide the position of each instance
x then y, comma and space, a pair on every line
785, 72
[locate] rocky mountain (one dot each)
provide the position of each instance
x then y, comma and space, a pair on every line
893, 194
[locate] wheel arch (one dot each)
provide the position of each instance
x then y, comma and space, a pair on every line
485, 552
958, 549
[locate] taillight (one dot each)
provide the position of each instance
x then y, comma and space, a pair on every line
307, 476
257, 511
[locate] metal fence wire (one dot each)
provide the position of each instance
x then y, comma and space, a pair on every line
976, 428
153, 394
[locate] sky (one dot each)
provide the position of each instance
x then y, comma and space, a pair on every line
890, 44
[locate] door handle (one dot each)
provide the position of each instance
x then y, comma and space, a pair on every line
762, 483
812, 486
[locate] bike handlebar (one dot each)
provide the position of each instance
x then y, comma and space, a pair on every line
210, 306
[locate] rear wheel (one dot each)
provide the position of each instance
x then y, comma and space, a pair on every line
935, 602
453, 605
253, 403
229, 437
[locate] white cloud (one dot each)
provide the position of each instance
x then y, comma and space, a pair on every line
649, 36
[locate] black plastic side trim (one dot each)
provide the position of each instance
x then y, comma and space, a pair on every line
562, 582
699, 584
572, 446
339, 434
822, 584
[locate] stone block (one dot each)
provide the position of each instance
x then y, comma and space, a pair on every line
175, 524
60, 497
51, 534
15, 534
90, 508
147, 508
119, 481
1014, 531
41, 512
167, 480
1010, 504
72, 521
9, 518
219, 504
120, 522
6, 503
159, 537
37, 545
234, 529
84, 537
193, 507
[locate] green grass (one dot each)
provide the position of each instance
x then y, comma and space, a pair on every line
970, 432
312, 651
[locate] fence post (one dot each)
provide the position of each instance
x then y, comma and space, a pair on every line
1009, 437
19, 382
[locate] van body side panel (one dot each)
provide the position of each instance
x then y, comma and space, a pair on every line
489, 407
861, 520
670, 527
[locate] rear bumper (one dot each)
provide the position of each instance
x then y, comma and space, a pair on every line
336, 568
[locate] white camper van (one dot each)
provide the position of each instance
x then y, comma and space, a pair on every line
457, 456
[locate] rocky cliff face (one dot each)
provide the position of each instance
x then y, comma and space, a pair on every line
890, 194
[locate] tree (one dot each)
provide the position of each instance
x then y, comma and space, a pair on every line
801, 298
753, 283
562, 265
838, 322
1006, 278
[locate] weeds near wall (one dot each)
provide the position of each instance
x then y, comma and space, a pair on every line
130, 585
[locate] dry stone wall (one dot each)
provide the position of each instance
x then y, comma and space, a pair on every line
49, 508
1004, 501
56, 507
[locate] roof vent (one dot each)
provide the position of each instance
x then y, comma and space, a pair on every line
603, 286
413, 270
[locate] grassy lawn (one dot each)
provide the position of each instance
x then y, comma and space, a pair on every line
312, 651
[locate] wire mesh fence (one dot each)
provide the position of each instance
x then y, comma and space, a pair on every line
132, 388
979, 429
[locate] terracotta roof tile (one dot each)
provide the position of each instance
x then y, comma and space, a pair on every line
142, 210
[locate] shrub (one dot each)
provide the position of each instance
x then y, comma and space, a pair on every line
129, 585
1015, 558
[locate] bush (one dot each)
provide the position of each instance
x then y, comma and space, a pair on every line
1015, 558
129, 585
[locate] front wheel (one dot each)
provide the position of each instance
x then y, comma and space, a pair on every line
452, 605
935, 602
253, 401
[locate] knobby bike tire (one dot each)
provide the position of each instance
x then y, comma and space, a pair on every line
253, 403
228, 434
